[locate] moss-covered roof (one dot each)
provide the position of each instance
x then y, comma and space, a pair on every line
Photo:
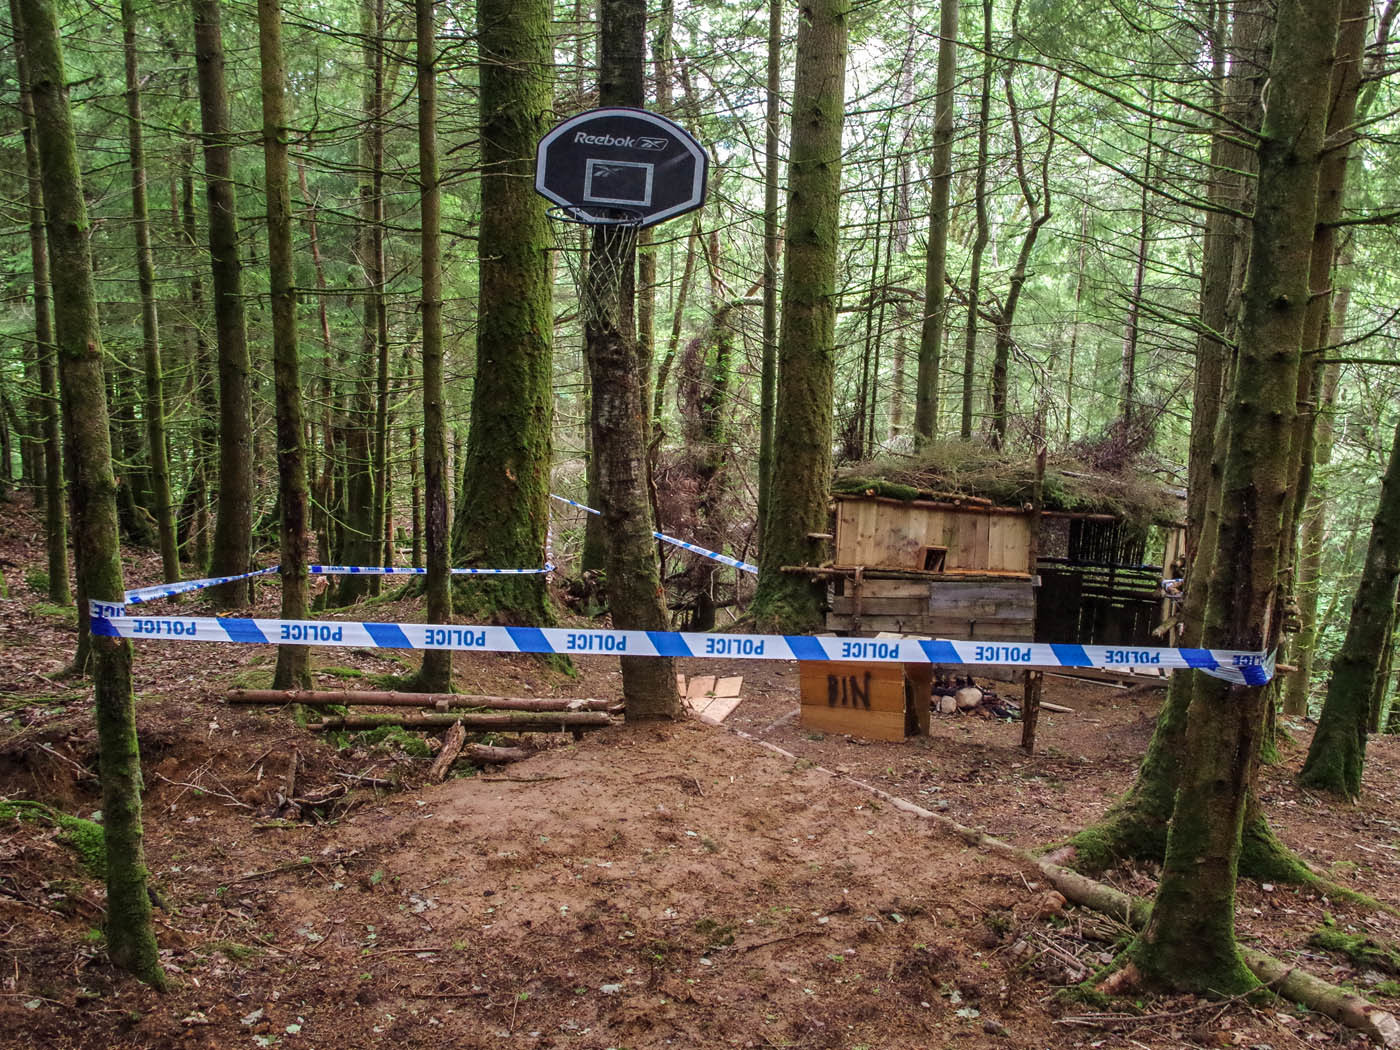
957, 471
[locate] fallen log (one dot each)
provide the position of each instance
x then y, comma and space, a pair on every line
488, 755
489, 721
440, 701
451, 748
1288, 981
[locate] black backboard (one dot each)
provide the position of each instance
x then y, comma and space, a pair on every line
610, 162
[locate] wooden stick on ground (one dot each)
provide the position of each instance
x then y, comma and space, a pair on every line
500, 722
441, 701
451, 748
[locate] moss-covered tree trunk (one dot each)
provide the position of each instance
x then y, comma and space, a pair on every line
635, 595
939, 219
1189, 941
153, 408
435, 676
1337, 755
50, 433
503, 508
801, 482
233, 521
293, 671
130, 939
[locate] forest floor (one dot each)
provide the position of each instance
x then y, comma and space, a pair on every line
649, 886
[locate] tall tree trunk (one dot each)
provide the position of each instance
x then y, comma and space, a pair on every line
772, 246
361, 486
435, 676
1189, 941
979, 243
293, 671
1127, 370
206, 381
131, 942
935, 297
1337, 754
635, 594
1313, 536
1331, 191
233, 524
693, 247
380, 451
1136, 824
806, 343
1038, 210
157, 455
503, 510
55, 510
323, 487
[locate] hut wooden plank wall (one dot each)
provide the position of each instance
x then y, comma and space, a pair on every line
931, 568
962, 571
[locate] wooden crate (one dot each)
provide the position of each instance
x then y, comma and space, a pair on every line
875, 701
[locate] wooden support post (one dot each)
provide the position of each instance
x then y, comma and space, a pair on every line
1030, 709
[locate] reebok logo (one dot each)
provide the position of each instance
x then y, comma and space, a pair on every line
617, 142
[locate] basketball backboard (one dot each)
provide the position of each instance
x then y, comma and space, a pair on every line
612, 162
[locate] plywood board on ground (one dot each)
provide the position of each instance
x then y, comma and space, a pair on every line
729, 686
718, 709
702, 685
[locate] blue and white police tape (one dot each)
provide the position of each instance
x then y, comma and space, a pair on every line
394, 570
723, 559
140, 595
1241, 667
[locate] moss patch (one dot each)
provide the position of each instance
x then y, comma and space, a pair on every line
83, 837
67, 613
387, 738
1362, 950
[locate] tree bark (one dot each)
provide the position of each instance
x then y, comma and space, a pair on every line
435, 675
1038, 207
635, 594
806, 342
940, 213
1189, 941
979, 243
157, 454
131, 941
233, 523
55, 509
1136, 825
361, 483
1337, 754
503, 508
292, 670
772, 247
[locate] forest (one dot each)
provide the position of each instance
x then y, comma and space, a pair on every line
1051, 347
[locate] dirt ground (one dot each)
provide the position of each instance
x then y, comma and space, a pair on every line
642, 887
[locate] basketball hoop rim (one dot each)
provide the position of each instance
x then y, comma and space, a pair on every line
569, 213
